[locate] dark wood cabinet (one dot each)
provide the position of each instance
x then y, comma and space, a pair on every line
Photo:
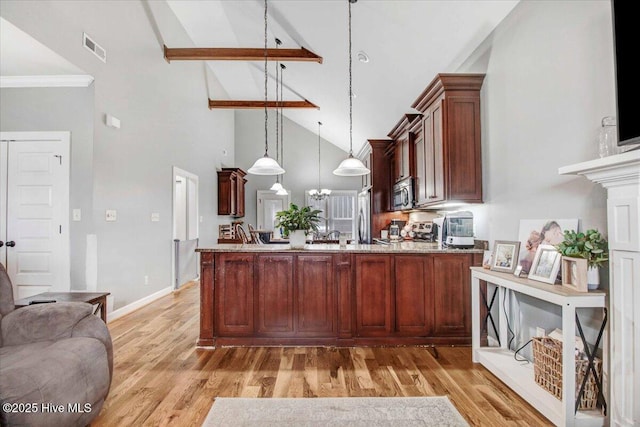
234, 294
315, 298
452, 295
451, 166
414, 295
374, 295
231, 183
335, 298
403, 147
366, 160
275, 300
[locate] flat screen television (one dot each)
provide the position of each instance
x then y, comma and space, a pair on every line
625, 37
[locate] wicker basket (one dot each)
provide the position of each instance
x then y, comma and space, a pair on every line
547, 368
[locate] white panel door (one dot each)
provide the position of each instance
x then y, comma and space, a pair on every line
37, 245
3, 202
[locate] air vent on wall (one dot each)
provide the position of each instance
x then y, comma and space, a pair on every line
94, 47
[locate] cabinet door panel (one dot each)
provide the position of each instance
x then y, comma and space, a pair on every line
374, 299
420, 181
438, 154
234, 294
414, 294
275, 294
463, 149
452, 298
316, 308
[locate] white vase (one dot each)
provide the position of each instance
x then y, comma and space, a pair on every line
593, 278
297, 239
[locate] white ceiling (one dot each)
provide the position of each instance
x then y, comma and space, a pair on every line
408, 42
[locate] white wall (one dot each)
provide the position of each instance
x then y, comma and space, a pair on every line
165, 123
549, 81
300, 159
61, 109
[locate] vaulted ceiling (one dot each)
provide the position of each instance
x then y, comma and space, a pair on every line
407, 42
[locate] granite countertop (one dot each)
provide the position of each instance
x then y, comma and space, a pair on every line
401, 247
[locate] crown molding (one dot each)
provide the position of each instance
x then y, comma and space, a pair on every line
81, 80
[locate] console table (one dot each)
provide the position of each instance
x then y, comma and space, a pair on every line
520, 378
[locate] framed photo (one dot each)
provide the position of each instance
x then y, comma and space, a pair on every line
546, 264
505, 256
574, 274
534, 232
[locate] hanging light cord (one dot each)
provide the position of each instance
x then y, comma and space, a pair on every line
278, 42
350, 90
319, 124
282, 68
266, 114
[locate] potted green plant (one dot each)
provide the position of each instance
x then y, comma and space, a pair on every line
591, 246
297, 222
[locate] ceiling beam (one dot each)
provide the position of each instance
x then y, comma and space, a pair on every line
238, 54
248, 105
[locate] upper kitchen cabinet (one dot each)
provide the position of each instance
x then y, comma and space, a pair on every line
403, 147
365, 156
448, 152
231, 183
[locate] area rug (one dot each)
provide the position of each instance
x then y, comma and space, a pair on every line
338, 411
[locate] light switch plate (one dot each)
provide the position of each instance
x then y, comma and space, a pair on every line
155, 217
111, 215
77, 215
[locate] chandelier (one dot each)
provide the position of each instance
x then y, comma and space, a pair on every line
319, 194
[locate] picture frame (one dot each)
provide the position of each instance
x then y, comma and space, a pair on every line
546, 264
574, 274
505, 256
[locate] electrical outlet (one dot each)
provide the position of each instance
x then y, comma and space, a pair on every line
540, 332
146, 280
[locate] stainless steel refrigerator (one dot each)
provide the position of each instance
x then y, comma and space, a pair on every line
364, 216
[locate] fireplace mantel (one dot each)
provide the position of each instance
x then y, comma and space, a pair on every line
620, 175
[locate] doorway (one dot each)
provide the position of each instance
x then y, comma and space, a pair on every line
268, 204
185, 227
34, 213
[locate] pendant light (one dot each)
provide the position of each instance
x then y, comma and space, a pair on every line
265, 165
282, 191
276, 185
351, 166
319, 194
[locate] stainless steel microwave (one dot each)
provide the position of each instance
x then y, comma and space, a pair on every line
403, 194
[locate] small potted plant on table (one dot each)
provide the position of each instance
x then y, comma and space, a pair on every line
297, 222
590, 246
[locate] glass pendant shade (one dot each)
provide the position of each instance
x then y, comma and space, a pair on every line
276, 186
282, 192
351, 167
265, 166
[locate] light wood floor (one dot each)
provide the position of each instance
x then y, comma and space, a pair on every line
160, 378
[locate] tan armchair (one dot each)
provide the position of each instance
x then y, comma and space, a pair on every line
58, 354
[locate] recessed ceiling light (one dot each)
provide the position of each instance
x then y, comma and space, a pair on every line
362, 57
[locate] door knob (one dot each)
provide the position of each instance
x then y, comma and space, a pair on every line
11, 244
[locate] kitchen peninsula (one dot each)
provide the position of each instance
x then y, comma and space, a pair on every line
400, 294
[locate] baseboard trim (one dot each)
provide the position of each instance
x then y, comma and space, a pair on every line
123, 311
